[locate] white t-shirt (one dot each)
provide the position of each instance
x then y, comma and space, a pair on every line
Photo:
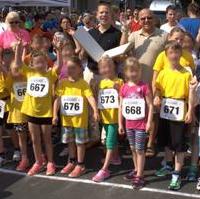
167, 28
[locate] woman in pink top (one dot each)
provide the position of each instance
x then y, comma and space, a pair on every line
9, 38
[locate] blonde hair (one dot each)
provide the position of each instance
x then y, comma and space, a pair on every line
12, 15
131, 63
107, 59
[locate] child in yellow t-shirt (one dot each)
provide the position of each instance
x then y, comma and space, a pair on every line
108, 103
74, 94
172, 95
16, 118
37, 104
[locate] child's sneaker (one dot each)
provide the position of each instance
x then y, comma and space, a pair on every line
35, 169
192, 174
198, 185
101, 176
131, 175
164, 171
23, 165
138, 182
77, 172
51, 169
68, 168
16, 156
175, 183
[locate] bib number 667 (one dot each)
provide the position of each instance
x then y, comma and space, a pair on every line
37, 87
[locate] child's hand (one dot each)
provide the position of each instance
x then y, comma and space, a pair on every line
121, 130
188, 118
55, 121
148, 127
96, 116
157, 102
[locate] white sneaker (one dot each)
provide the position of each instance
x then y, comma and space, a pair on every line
64, 152
198, 185
16, 156
2, 160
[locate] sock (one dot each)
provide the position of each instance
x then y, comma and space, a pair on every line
81, 163
175, 175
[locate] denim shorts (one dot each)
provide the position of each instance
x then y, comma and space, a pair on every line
77, 135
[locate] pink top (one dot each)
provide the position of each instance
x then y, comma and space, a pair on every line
63, 72
135, 92
8, 37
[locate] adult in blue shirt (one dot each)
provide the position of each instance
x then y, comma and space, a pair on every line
192, 22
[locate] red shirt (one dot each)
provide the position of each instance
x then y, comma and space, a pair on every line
135, 26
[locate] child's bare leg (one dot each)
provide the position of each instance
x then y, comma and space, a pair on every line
140, 162
72, 150
35, 132
179, 161
81, 153
46, 132
14, 138
23, 145
134, 157
109, 155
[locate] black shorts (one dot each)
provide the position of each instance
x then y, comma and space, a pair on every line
3, 122
172, 134
39, 121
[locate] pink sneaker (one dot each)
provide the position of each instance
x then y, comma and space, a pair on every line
35, 169
51, 169
23, 165
68, 168
101, 176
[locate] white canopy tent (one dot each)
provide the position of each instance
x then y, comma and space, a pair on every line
39, 3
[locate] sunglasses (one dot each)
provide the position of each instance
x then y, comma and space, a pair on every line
14, 22
146, 18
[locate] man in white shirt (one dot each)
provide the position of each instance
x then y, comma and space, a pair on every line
171, 16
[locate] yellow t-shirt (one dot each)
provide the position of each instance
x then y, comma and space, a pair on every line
17, 93
38, 101
5, 89
76, 89
110, 116
173, 83
162, 61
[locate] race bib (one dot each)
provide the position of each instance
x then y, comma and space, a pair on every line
2, 108
108, 98
71, 105
38, 86
172, 109
133, 109
19, 90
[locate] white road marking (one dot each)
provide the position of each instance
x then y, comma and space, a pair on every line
108, 184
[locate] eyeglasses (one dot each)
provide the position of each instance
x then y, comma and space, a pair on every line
14, 22
146, 18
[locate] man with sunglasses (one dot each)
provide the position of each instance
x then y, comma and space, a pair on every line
148, 42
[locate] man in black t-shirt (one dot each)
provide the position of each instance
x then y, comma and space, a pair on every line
106, 35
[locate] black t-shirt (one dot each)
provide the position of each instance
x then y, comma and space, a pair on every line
107, 40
